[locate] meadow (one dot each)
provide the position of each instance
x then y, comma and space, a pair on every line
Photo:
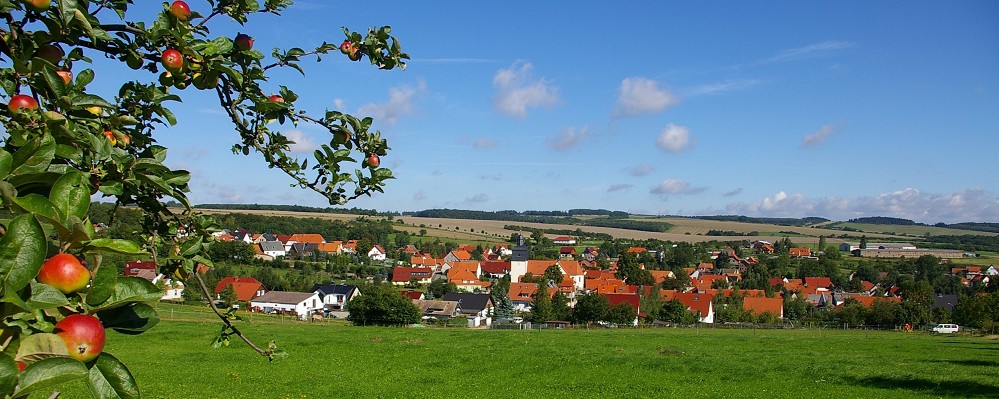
174, 360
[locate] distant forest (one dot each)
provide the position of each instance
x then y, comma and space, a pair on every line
614, 219
797, 222
883, 220
295, 208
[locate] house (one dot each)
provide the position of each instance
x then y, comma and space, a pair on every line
945, 301
457, 256
404, 275
800, 252
522, 295
413, 294
336, 296
301, 304
243, 235
377, 253
261, 237
632, 300
465, 275
636, 250
137, 267
853, 246
477, 308
502, 250
308, 238
699, 303
273, 249
246, 288
437, 309
350, 247
991, 271
760, 305
303, 249
818, 282
495, 268
573, 270
563, 240
332, 248
567, 253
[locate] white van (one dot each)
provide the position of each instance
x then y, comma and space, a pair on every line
946, 328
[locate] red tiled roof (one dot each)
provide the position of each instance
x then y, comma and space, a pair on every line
818, 282
404, 274
246, 287
760, 305
632, 299
496, 267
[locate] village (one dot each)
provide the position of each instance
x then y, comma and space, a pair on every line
504, 275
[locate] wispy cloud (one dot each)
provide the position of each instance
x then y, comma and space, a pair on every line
477, 198
492, 177
456, 60
811, 50
517, 90
400, 103
721, 87
641, 170
814, 139
733, 192
420, 195
673, 138
642, 96
303, 144
569, 138
619, 187
484, 143
675, 187
909, 203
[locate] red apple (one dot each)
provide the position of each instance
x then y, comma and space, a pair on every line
83, 334
125, 140
66, 75
37, 5
50, 53
243, 42
21, 101
110, 137
21, 366
346, 47
181, 10
65, 273
373, 160
274, 98
172, 60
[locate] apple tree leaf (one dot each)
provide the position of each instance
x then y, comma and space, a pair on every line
49, 373
110, 379
22, 251
133, 319
71, 194
5, 162
41, 346
34, 157
102, 286
113, 245
131, 289
8, 374
44, 296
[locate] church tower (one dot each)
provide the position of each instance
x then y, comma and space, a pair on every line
518, 263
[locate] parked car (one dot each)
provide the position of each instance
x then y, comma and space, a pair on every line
946, 328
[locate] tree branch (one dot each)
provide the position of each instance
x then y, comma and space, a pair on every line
204, 290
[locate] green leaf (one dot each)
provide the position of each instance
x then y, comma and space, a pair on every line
34, 157
44, 296
113, 245
83, 100
134, 319
22, 251
71, 194
49, 373
41, 346
85, 77
54, 82
103, 284
8, 374
5, 163
132, 289
40, 206
110, 379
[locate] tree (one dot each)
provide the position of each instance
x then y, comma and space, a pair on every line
439, 287
863, 242
503, 311
62, 143
541, 306
676, 312
590, 308
622, 313
228, 296
382, 305
560, 306
553, 274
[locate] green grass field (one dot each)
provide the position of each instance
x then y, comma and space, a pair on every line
174, 360
916, 231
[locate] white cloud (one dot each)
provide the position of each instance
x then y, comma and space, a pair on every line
814, 139
303, 144
641, 96
484, 143
716, 88
419, 195
517, 90
567, 139
673, 138
733, 192
910, 203
339, 103
641, 170
400, 103
675, 186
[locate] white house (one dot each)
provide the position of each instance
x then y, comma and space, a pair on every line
299, 303
336, 296
377, 253
477, 308
272, 248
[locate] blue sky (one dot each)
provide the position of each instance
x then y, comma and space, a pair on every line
785, 109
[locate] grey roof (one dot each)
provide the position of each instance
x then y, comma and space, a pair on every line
946, 301
437, 308
284, 297
303, 248
470, 303
330, 289
271, 246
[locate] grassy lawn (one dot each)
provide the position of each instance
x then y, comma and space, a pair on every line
174, 360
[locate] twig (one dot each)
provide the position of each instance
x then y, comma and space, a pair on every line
228, 323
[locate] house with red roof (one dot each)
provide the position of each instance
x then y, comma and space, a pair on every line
350, 247
567, 253
632, 300
564, 240
695, 302
137, 267
377, 253
522, 295
495, 268
800, 252
403, 275
760, 305
818, 282
636, 250
246, 288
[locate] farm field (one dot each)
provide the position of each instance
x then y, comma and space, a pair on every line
174, 360
915, 231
